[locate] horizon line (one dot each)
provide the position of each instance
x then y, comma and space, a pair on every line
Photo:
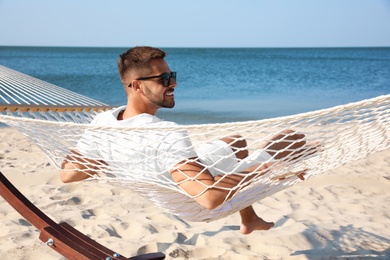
202, 47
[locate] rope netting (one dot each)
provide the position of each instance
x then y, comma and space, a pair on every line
140, 157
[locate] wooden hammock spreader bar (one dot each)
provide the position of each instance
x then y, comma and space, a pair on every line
62, 237
54, 108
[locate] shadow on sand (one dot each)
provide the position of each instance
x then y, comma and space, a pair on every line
347, 243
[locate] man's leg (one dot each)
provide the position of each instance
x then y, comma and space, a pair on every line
238, 145
287, 141
290, 145
249, 219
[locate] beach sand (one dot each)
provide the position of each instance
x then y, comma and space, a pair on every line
342, 214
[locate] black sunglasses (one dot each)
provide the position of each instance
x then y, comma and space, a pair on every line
166, 77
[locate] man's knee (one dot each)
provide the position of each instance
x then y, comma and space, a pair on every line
289, 135
238, 145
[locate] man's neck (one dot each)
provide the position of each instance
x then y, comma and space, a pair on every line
129, 112
120, 115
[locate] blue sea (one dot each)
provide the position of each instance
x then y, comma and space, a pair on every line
222, 84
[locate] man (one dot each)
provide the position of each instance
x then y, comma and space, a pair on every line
150, 85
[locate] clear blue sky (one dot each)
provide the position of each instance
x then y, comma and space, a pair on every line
196, 23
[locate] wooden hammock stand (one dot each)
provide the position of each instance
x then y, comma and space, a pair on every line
62, 237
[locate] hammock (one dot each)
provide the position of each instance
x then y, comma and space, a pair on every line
57, 120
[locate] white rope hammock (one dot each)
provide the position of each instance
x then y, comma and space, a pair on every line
57, 120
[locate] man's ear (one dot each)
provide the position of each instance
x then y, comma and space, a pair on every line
136, 85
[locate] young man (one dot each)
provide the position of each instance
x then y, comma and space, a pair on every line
150, 85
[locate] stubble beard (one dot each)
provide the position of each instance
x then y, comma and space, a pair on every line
159, 101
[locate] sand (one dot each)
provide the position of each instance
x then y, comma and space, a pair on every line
342, 214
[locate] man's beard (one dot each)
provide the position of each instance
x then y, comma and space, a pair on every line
159, 101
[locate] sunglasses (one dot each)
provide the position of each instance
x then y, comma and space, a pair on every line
166, 78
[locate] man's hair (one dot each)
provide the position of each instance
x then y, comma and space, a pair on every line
138, 59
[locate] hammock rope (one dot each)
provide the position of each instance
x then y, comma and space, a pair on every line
341, 134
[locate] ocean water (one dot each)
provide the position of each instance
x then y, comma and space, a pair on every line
222, 84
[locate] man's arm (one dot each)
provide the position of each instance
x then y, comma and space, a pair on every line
76, 168
195, 180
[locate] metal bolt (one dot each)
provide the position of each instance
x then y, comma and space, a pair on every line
50, 242
108, 258
116, 255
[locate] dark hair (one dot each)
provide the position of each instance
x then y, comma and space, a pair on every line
138, 59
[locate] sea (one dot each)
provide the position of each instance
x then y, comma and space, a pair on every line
217, 85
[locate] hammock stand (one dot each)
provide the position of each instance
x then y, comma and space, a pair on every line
61, 237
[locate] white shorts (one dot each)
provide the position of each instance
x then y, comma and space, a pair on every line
219, 158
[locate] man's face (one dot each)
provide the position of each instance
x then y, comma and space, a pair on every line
154, 89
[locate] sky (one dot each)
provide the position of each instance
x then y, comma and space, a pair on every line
195, 23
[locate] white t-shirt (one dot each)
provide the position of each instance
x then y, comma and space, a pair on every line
144, 151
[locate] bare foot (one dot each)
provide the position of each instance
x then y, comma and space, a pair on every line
256, 224
251, 222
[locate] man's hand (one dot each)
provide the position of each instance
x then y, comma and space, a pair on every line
76, 167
